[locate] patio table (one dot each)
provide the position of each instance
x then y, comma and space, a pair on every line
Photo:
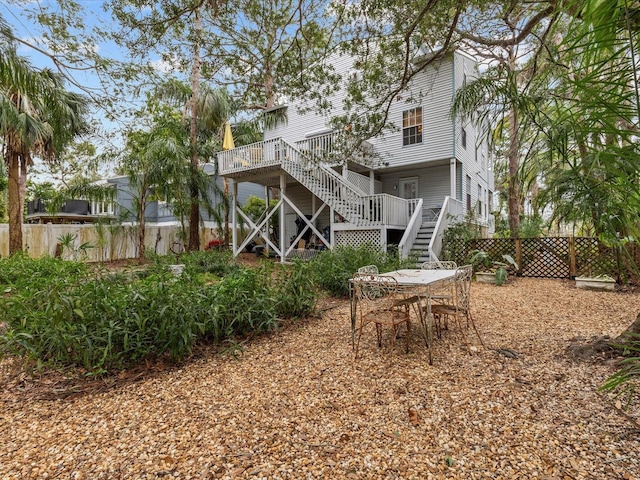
416, 284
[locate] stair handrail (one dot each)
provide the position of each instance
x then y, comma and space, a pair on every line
326, 179
411, 233
451, 212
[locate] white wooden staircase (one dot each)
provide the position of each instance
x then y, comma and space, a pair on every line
420, 247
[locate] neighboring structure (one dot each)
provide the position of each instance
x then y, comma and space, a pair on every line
157, 213
433, 170
71, 211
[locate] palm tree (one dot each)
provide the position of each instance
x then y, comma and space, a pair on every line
591, 122
214, 107
501, 100
38, 117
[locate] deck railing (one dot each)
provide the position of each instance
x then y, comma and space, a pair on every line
320, 148
363, 182
255, 155
345, 198
342, 196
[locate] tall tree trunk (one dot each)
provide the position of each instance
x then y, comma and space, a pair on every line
513, 197
194, 214
15, 219
513, 191
23, 184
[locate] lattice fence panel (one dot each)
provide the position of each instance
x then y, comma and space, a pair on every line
456, 250
495, 248
545, 257
594, 258
354, 238
554, 257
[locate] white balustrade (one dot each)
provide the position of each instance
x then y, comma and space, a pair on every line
452, 212
346, 199
255, 155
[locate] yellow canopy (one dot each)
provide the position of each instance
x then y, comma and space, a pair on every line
227, 140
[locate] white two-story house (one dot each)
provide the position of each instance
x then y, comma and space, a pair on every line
430, 170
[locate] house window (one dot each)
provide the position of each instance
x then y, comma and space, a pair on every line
463, 138
479, 201
412, 126
468, 181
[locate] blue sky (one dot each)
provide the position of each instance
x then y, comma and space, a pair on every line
19, 15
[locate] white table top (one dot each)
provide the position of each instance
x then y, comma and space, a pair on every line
420, 277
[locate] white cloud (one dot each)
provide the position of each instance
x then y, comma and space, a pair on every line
165, 65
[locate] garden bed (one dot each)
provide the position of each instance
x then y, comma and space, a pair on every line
295, 404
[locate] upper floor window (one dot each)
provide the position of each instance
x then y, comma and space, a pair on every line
463, 138
412, 126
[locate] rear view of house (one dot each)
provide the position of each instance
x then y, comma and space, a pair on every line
403, 188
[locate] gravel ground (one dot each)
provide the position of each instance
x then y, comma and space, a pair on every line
295, 405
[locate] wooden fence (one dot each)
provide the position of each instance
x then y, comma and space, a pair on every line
107, 242
554, 257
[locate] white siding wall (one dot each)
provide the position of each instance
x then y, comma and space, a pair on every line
433, 183
301, 125
473, 157
433, 91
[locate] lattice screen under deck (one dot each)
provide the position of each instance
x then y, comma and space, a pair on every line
358, 237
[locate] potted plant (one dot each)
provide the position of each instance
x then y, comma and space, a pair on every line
492, 271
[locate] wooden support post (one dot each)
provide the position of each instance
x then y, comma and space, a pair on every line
572, 258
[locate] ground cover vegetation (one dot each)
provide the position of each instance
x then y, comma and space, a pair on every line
66, 314
59, 314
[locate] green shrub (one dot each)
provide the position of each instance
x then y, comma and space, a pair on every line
295, 289
217, 262
242, 303
624, 382
60, 314
103, 324
333, 268
19, 271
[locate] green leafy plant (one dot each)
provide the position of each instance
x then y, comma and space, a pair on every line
625, 381
67, 244
295, 289
456, 237
333, 268
482, 261
59, 314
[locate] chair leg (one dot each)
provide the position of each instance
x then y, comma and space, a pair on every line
437, 321
473, 324
408, 334
357, 346
394, 332
464, 336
